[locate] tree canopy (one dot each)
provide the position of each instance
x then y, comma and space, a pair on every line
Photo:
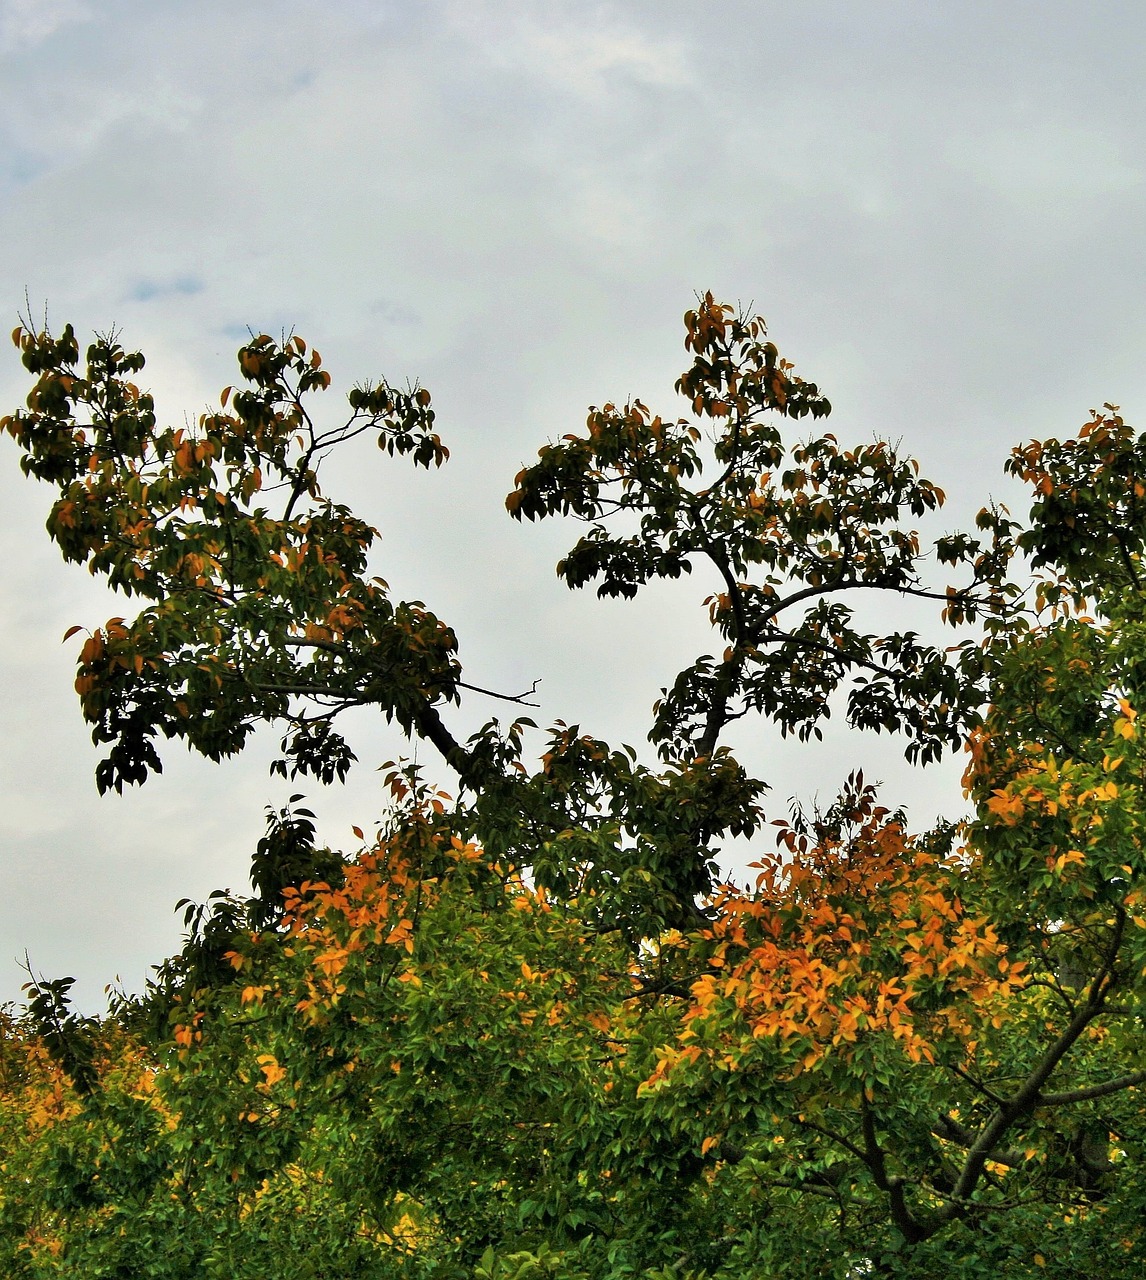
527, 1028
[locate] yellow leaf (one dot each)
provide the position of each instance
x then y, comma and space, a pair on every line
270, 1068
1009, 808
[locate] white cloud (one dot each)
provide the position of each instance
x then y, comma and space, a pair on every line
569, 48
27, 23
1040, 160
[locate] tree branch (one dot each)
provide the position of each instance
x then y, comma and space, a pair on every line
1092, 1091
950, 1128
1027, 1099
904, 1219
520, 698
431, 727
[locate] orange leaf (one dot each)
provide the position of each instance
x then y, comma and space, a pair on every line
270, 1068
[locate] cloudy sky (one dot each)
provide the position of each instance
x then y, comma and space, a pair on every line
939, 209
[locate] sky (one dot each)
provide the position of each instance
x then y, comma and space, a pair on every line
939, 209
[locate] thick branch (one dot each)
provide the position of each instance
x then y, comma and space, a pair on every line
852, 584
307, 642
1092, 1091
735, 600
718, 715
1029, 1096
1120, 538
978, 1085
839, 1138
950, 1128
874, 1159
429, 725
314, 691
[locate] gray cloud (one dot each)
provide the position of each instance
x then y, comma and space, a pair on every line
25, 24
181, 286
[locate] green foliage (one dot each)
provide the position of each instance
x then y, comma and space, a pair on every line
245, 610
523, 1031
814, 524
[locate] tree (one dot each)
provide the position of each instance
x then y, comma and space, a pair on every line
524, 1029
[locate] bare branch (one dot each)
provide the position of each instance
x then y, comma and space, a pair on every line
520, 698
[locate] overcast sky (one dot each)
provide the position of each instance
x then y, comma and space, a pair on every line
938, 207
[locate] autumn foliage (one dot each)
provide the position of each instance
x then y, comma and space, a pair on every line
528, 1027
